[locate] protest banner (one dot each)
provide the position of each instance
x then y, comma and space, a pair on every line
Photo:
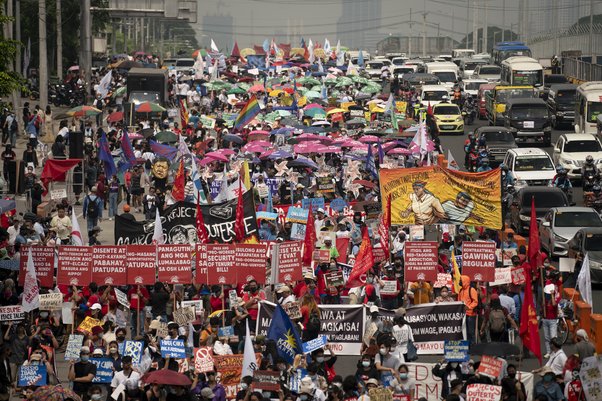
421, 259
518, 275
483, 392
312, 345
52, 301
431, 323
443, 279
43, 261
456, 351
297, 215
109, 265
133, 349
74, 345
87, 325
230, 369
435, 195
226, 331
325, 184
590, 374
207, 122
174, 264
266, 380
321, 256
201, 264
502, 276
203, 359
286, 261
141, 264
338, 204
74, 266
334, 278
504, 257
122, 298
478, 260
380, 394
250, 261
67, 313
58, 194
11, 313
491, 366
32, 375
389, 287
183, 316
315, 203
221, 264
104, 370
293, 310
172, 348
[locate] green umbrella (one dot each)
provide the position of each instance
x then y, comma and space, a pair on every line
309, 81
314, 112
217, 85
245, 86
344, 81
283, 113
120, 91
374, 85
166, 136
370, 89
302, 89
312, 95
317, 88
330, 81
360, 80
236, 91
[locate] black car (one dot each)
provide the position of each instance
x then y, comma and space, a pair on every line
545, 198
561, 102
529, 120
498, 141
588, 241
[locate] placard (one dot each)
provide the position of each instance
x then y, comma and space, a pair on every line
74, 346
201, 264
389, 287
443, 279
230, 369
221, 262
51, 301
173, 349
173, 264
122, 298
58, 194
316, 203
456, 351
233, 296
43, 262
251, 260
297, 215
478, 260
334, 278
32, 375
87, 325
321, 256
502, 276
141, 264
491, 366
421, 259
226, 331
183, 316
104, 370
203, 359
266, 380
196, 303
518, 275
287, 261
11, 313
67, 313
317, 343
380, 394
74, 266
505, 257
109, 264
293, 310
325, 184
298, 231
134, 349
483, 392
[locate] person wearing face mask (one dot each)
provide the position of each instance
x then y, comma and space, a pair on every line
309, 392
444, 296
128, 377
573, 391
251, 298
81, 373
114, 355
402, 332
16, 338
366, 370
245, 387
96, 340
317, 378
451, 372
548, 386
181, 393
284, 295
386, 363
325, 365
218, 390
95, 393
216, 298
405, 385
512, 388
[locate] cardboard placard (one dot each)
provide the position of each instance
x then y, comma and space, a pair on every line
380, 394
203, 359
389, 287
184, 315
75, 265
122, 298
491, 366
421, 258
11, 313
226, 331
74, 346
316, 343
505, 257
58, 194
518, 275
134, 349
297, 215
173, 349
334, 278
321, 256
483, 392
293, 310
325, 184
109, 264
315, 203
287, 261
32, 375
52, 301
456, 351
443, 279
87, 325
266, 380
478, 260
502, 276
197, 304
233, 298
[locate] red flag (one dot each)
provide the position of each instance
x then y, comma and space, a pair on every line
534, 245
179, 182
239, 224
235, 51
529, 331
183, 114
310, 239
383, 228
305, 52
201, 230
429, 110
363, 262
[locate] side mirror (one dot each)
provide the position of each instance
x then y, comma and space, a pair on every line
545, 224
577, 128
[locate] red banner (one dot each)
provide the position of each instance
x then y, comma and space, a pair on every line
421, 258
108, 264
221, 262
250, 260
478, 260
491, 366
141, 264
43, 261
201, 264
75, 264
289, 264
342, 245
174, 264
518, 275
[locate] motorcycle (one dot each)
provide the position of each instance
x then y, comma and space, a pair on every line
469, 112
473, 161
590, 178
65, 95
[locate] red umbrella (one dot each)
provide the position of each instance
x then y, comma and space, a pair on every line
257, 88
399, 151
216, 156
166, 377
369, 139
246, 79
313, 106
114, 117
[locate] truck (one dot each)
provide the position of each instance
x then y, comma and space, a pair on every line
146, 85
497, 98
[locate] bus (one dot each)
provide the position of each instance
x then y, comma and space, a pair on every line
588, 105
503, 50
520, 70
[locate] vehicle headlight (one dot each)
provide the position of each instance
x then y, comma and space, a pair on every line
558, 237
595, 265
560, 113
567, 161
459, 118
524, 218
521, 183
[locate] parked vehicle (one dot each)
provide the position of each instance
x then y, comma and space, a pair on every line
545, 199
529, 120
588, 106
560, 224
588, 240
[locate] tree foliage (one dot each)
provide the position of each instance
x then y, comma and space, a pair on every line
9, 80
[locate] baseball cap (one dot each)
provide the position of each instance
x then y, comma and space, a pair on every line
96, 306
373, 309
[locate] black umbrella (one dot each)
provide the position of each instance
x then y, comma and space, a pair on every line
148, 132
494, 349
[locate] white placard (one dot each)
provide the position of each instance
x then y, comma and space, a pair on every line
58, 194
122, 298
389, 287
502, 276
51, 301
567, 265
67, 313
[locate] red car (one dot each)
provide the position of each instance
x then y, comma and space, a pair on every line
484, 89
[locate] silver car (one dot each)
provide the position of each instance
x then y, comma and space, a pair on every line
560, 224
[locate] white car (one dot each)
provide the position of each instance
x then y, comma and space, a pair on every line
571, 150
374, 68
560, 224
471, 86
433, 94
530, 166
489, 72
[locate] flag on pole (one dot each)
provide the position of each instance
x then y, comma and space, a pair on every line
31, 291
249, 363
370, 165
384, 226
534, 244
310, 47
235, 51
214, 46
105, 84
451, 162
529, 328
247, 114
584, 281
183, 113
327, 47
239, 223
104, 154
158, 231
351, 70
381, 152
76, 234
127, 153
201, 230
456, 277
310, 239
394, 123
179, 182
285, 336
363, 262
360, 59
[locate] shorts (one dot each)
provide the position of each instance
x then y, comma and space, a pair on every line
138, 191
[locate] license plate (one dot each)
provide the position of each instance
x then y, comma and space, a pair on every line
529, 124
447, 127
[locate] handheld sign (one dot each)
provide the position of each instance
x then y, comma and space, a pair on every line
104, 370
316, 343
32, 375
134, 349
51, 301
122, 298
456, 351
74, 346
173, 349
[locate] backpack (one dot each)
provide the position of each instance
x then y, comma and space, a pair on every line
479, 307
313, 324
92, 208
497, 321
14, 125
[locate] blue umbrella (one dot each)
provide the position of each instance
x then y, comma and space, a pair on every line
233, 138
282, 131
279, 154
303, 162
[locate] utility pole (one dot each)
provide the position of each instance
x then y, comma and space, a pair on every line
59, 40
9, 35
86, 32
475, 30
557, 34
424, 34
485, 28
410, 38
43, 58
591, 28
18, 36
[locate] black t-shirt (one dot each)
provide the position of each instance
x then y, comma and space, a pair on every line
159, 301
83, 369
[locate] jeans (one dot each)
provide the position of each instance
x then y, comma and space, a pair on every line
550, 327
135, 322
113, 199
91, 223
471, 322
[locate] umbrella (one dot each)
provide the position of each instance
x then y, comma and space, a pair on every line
217, 85
282, 131
368, 139
166, 136
399, 151
279, 154
258, 135
54, 393
256, 88
73, 68
233, 138
356, 122
149, 107
308, 137
166, 377
365, 183
120, 91
226, 152
276, 92
308, 81
135, 135
494, 349
344, 81
259, 142
236, 91
335, 110
115, 116
128, 64
147, 132
216, 156
313, 106
370, 89
360, 80
330, 149
312, 95
83, 111
320, 123
302, 162
314, 112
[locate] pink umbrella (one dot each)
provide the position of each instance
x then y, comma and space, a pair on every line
369, 139
399, 151
350, 143
305, 148
313, 106
253, 148
216, 156
226, 152
259, 132
135, 135
308, 137
389, 145
266, 153
207, 160
330, 149
259, 142
257, 88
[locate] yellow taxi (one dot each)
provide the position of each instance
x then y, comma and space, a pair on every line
449, 118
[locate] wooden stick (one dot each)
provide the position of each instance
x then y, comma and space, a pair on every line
223, 308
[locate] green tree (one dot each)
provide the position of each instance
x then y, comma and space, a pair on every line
9, 79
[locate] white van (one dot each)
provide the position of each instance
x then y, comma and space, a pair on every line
588, 105
530, 166
447, 72
433, 94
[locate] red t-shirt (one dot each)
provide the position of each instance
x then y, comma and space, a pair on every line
216, 303
253, 309
133, 297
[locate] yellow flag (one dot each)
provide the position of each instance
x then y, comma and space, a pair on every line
246, 175
455, 274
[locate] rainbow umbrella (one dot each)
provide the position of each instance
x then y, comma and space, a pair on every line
83, 111
149, 107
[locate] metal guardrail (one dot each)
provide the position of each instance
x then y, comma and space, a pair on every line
581, 70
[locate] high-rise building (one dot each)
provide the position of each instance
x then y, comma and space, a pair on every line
358, 20
219, 28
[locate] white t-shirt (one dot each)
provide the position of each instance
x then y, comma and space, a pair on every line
130, 381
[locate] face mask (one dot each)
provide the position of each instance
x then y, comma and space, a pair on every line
320, 359
444, 294
471, 370
244, 386
548, 378
453, 365
85, 358
365, 364
100, 335
253, 289
370, 280
403, 376
113, 350
121, 338
303, 397
383, 351
512, 375
96, 397
546, 264
44, 315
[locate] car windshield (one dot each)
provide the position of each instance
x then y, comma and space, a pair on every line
398, 61
489, 71
451, 109
472, 86
544, 199
593, 242
498, 136
185, 63
582, 146
533, 163
375, 65
556, 79
445, 76
527, 77
577, 219
403, 70
566, 97
593, 109
434, 95
470, 66
504, 95
528, 112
